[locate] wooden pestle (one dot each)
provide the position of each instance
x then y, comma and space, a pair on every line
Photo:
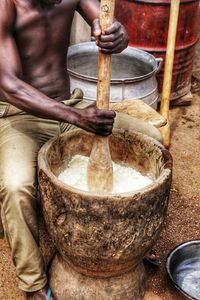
169, 60
100, 169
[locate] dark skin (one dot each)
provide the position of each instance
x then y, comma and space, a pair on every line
34, 39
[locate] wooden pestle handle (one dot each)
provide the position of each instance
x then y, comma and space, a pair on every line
100, 169
169, 61
107, 8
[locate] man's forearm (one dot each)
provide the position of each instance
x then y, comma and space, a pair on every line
89, 9
31, 100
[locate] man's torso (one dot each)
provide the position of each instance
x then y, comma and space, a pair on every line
42, 38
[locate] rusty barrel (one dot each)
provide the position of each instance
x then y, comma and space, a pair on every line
147, 22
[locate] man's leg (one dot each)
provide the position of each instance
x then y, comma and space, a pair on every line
20, 140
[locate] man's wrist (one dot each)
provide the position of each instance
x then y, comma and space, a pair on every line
73, 116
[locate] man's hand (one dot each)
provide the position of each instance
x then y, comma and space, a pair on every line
113, 40
95, 120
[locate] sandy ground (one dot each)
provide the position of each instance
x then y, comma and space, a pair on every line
182, 223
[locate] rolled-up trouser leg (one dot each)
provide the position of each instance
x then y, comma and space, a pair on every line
20, 140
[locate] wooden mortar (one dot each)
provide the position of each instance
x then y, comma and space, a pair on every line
102, 238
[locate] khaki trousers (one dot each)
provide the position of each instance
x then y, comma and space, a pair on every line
21, 137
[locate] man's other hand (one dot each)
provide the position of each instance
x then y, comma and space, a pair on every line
113, 40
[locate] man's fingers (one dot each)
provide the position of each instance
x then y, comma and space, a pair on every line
116, 49
96, 28
110, 30
109, 38
113, 28
105, 122
102, 113
106, 113
109, 46
104, 130
100, 129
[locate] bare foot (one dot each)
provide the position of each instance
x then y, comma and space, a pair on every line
152, 258
151, 255
42, 294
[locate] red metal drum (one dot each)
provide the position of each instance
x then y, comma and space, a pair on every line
146, 22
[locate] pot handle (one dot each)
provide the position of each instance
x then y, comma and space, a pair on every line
159, 61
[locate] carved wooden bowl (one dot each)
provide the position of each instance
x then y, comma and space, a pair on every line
104, 235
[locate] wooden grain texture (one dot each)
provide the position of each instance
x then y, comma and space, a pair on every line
102, 235
167, 82
104, 59
100, 169
129, 286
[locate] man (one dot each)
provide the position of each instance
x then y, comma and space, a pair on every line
34, 39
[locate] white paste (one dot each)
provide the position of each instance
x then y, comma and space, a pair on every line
125, 178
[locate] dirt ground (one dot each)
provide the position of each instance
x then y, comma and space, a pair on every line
182, 223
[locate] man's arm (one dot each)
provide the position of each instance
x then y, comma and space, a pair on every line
19, 93
114, 39
89, 9
31, 100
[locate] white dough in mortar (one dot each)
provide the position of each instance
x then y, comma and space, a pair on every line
125, 178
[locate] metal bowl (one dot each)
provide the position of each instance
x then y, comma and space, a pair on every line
183, 268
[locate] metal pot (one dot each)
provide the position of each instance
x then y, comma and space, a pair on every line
133, 73
183, 268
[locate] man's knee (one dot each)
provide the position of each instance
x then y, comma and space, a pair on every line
16, 189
